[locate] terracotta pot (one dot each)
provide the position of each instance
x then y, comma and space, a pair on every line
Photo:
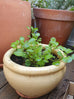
32, 81
15, 16
54, 23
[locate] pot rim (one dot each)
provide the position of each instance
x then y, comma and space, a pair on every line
8, 63
54, 9
54, 14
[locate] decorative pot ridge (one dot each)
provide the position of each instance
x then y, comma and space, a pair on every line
63, 15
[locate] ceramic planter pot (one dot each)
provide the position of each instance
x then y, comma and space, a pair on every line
32, 81
15, 16
54, 23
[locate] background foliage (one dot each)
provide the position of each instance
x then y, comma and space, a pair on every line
53, 4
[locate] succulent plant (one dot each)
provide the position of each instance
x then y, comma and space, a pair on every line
35, 55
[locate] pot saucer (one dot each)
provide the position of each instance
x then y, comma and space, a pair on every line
1, 65
24, 95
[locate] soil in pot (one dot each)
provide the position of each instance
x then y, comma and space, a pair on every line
21, 61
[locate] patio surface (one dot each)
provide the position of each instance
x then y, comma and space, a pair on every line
7, 92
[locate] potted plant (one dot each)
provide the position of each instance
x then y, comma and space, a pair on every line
34, 69
54, 18
15, 16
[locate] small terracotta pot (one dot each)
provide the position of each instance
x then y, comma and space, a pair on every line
32, 81
15, 16
54, 23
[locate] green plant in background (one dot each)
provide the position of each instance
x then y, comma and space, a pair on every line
60, 4
34, 54
39, 3
53, 4
71, 9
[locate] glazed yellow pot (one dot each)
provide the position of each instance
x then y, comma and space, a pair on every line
32, 81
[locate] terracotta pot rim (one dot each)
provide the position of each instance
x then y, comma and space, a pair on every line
54, 14
54, 9
29, 70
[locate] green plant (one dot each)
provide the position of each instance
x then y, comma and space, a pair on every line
53, 4
71, 9
34, 54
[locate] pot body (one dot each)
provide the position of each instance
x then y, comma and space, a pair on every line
54, 23
15, 16
32, 81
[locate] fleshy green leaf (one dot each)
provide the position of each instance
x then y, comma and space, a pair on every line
53, 39
26, 45
72, 56
14, 44
17, 42
19, 52
56, 63
22, 38
48, 56
29, 50
27, 62
37, 34
62, 48
68, 51
60, 54
29, 36
31, 40
39, 40
67, 59
32, 28
28, 28
38, 59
